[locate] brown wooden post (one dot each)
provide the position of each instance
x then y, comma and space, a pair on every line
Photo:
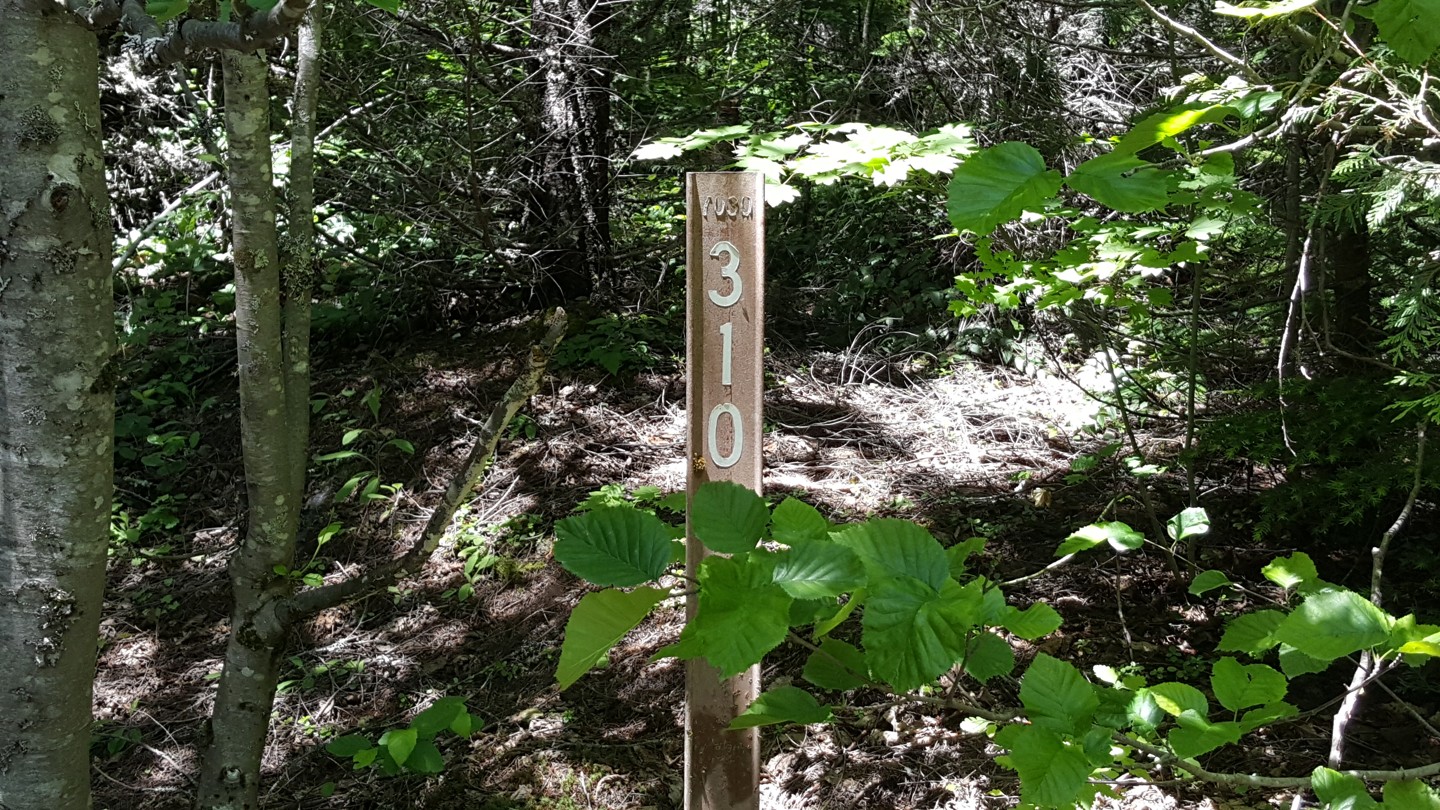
725, 318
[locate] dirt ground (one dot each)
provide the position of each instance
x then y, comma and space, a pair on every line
973, 451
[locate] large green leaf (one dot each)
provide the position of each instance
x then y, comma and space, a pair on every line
1051, 773
438, 716
795, 522
1340, 790
891, 547
836, 665
1289, 572
1118, 534
1239, 686
1252, 633
819, 569
783, 704
1057, 696
425, 758
398, 743
1411, 794
988, 656
597, 623
1196, 735
743, 614
616, 547
998, 184
1033, 622
913, 633
1177, 698
1411, 27
1331, 624
1122, 182
1168, 124
728, 517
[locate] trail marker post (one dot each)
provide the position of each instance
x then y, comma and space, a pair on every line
724, 316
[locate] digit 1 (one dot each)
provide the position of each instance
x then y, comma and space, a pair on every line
727, 331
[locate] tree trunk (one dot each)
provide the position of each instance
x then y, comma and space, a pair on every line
240, 722
572, 200
56, 402
1348, 266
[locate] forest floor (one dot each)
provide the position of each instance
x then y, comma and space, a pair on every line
974, 451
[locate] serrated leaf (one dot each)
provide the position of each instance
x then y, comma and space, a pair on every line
1252, 633
1340, 790
836, 665
1177, 698
743, 614
1410, 27
783, 704
913, 633
1164, 125
1289, 572
348, 745
997, 185
1207, 581
1051, 774
727, 517
1265, 715
1196, 735
1331, 624
1122, 182
616, 547
1116, 533
438, 716
959, 553
1033, 622
1144, 711
889, 547
425, 758
856, 600
1295, 663
989, 656
1192, 521
819, 569
597, 624
1411, 794
795, 522
1057, 696
1239, 686
398, 743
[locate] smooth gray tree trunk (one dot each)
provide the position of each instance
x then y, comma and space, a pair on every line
56, 402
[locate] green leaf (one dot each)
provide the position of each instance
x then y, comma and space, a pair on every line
398, 743
1119, 535
1288, 572
1239, 686
438, 716
989, 656
1165, 125
1122, 182
1192, 521
1410, 27
913, 633
1265, 715
619, 546
363, 759
1331, 624
1252, 633
1208, 581
997, 185
1051, 774
1411, 794
425, 758
783, 704
795, 522
960, 552
1196, 735
465, 724
819, 569
1033, 622
1295, 663
1340, 791
597, 624
856, 600
392, 6
1057, 696
728, 517
166, 10
743, 614
890, 547
1177, 698
348, 745
836, 665
1144, 711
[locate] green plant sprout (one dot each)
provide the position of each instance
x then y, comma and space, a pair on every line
411, 749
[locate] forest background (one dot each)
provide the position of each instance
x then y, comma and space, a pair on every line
1217, 222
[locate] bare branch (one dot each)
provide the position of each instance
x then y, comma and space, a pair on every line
255, 31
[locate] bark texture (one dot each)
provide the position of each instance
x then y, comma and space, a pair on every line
56, 403
240, 721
